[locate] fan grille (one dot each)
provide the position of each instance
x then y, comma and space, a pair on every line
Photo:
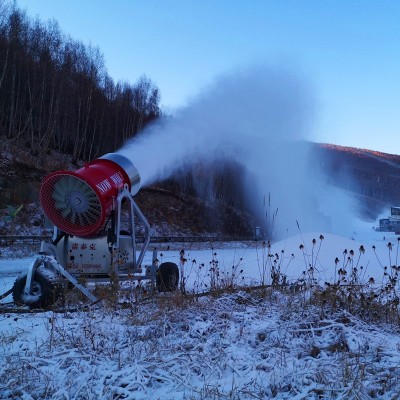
71, 204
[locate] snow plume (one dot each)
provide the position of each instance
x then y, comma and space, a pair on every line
259, 117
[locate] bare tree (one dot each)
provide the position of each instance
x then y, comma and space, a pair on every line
55, 92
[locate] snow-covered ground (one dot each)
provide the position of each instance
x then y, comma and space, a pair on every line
246, 344
249, 263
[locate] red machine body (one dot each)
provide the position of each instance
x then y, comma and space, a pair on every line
79, 202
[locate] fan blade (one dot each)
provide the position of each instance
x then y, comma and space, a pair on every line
61, 204
58, 196
65, 212
73, 217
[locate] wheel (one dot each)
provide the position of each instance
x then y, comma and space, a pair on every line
167, 277
44, 289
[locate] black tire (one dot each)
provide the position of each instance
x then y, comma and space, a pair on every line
45, 289
167, 277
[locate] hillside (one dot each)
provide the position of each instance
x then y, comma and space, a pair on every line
374, 178
366, 172
169, 212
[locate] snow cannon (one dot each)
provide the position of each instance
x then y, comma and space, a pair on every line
96, 221
80, 202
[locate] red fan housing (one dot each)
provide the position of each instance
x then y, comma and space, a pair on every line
79, 202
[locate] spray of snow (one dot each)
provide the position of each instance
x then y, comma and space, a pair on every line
259, 117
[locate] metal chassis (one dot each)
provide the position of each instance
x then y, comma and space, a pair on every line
48, 250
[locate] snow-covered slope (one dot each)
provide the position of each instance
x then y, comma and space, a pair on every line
243, 344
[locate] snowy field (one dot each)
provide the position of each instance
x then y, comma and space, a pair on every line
249, 263
243, 344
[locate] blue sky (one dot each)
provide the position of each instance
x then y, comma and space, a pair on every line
347, 51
